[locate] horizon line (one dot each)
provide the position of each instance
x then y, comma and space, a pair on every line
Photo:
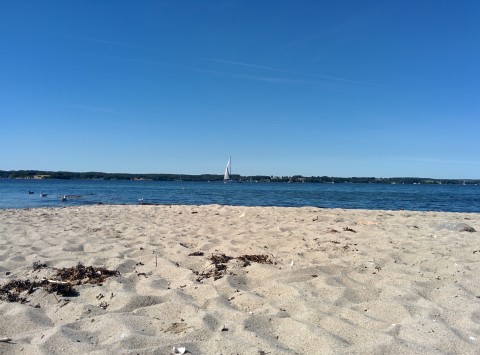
239, 175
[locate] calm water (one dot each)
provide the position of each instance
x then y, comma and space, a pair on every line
454, 198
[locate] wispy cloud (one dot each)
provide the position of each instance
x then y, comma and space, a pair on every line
210, 111
136, 60
262, 78
105, 41
88, 108
246, 65
267, 68
273, 79
268, 79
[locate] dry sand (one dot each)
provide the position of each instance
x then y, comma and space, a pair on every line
341, 281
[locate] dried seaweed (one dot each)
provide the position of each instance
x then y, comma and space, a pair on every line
220, 268
216, 273
11, 291
260, 259
220, 259
60, 288
348, 247
18, 285
197, 253
37, 265
81, 274
62, 283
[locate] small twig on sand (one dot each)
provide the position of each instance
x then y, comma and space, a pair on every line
64, 304
58, 282
5, 340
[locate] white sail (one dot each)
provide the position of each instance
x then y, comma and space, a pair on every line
227, 174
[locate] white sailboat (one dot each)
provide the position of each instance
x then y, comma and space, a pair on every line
227, 177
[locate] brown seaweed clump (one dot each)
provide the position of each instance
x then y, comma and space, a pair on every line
17, 290
37, 265
220, 259
62, 283
60, 288
219, 262
81, 274
260, 258
12, 291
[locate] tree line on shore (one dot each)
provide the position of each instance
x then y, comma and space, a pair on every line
66, 175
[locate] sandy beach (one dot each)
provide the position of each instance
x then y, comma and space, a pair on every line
241, 280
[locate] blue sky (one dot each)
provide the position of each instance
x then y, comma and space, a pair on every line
336, 88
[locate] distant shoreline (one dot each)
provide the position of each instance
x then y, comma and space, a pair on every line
67, 175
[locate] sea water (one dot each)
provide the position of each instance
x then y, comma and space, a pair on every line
452, 198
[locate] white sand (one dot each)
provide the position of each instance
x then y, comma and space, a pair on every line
405, 282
